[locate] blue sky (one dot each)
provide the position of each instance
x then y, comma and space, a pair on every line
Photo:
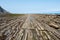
30, 6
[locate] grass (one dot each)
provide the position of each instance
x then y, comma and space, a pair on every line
12, 15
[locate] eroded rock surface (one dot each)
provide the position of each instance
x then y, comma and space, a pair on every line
30, 27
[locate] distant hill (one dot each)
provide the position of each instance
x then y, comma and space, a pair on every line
3, 11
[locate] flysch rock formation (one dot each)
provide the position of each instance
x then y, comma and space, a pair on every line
30, 27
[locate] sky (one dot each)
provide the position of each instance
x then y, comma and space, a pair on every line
31, 6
